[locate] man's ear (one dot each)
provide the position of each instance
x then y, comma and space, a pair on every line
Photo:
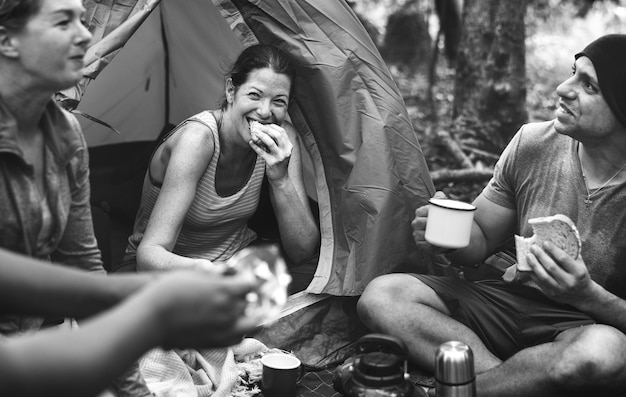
7, 43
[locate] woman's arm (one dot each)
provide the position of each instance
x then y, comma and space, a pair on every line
182, 162
182, 309
31, 287
299, 231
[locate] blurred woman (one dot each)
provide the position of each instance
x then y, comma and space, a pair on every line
204, 179
44, 164
44, 174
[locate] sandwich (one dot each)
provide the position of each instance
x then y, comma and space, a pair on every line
255, 131
558, 229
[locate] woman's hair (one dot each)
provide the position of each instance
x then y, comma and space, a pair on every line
15, 13
260, 56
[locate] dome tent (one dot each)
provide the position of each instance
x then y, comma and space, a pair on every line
153, 63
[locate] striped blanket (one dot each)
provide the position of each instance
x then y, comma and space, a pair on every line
234, 371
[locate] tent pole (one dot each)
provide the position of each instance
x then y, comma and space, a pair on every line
166, 59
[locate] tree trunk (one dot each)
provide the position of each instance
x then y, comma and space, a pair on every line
407, 43
490, 90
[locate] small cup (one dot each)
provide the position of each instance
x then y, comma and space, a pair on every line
449, 223
281, 375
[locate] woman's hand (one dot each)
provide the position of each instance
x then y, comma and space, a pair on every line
203, 309
271, 142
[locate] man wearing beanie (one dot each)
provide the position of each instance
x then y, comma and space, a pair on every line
560, 330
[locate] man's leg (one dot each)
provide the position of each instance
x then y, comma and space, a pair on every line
588, 360
403, 306
582, 361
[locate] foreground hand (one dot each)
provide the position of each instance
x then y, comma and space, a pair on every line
419, 226
561, 277
198, 309
271, 142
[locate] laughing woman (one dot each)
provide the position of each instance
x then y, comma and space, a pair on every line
204, 179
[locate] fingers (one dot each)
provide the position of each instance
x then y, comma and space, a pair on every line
419, 222
535, 260
242, 284
439, 195
544, 264
219, 269
258, 146
207, 310
257, 142
557, 273
270, 138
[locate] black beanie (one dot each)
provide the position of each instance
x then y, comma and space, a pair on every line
608, 55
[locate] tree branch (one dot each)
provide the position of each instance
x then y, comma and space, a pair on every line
455, 149
481, 153
462, 175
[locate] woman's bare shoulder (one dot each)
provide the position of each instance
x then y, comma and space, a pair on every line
193, 137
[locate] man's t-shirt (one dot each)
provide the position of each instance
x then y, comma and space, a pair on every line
539, 174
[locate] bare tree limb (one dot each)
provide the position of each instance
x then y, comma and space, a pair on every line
455, 149
481, 153
462, 175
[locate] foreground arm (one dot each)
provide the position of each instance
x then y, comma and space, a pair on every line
32, 287
492, 225
299, 232
182, 309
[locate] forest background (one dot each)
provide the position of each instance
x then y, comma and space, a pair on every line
423, 56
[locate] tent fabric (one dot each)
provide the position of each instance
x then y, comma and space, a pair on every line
113, 24
367, 171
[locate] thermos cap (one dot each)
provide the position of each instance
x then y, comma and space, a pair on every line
454, 363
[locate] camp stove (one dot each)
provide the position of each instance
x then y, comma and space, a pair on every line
378, 368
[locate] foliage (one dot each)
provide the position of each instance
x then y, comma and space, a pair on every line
553, 39
555, 32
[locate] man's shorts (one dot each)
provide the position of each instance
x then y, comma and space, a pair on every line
507, 317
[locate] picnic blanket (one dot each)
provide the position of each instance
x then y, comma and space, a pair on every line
322, 336
221, 372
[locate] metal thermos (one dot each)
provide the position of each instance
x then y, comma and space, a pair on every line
454, 370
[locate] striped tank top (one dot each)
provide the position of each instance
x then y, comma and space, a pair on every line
215, 227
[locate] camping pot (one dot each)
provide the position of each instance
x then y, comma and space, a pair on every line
454, 370
378, 368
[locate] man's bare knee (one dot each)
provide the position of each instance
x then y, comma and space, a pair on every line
594, 358
379, 293
396, 289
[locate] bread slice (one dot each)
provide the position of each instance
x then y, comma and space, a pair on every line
255, 126
558, 229
255, 130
